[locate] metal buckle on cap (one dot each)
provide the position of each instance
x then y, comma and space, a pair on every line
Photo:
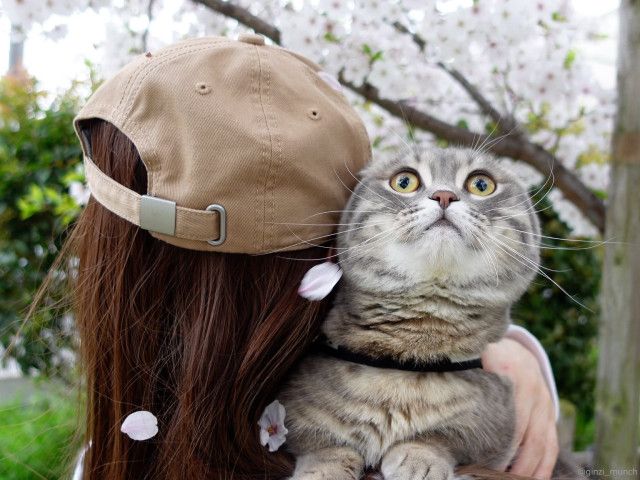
158, 215
214, 207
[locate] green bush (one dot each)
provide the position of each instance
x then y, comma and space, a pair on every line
37, 437
39, 158
567, 330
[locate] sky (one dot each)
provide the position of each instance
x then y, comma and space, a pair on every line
56, 63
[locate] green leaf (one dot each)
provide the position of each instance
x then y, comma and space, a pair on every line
593, 154
462, 123
569, 59
558, 17
331, 37
373, 56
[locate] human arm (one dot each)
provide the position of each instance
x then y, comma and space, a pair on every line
520, 358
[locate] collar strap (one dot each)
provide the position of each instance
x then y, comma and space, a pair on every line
444, 365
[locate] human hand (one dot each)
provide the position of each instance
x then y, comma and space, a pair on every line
536, 434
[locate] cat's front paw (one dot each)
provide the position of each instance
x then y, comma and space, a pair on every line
415, 461
340, 463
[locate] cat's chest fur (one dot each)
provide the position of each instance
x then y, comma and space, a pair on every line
330, 401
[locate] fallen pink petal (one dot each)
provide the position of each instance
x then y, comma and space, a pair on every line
272, 430
140, 425
320, 280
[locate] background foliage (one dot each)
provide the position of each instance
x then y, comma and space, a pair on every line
567, 327
37, 437
39, 162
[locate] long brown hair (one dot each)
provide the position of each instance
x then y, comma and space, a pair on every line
202, 340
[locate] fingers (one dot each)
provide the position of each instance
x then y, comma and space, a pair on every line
531, 451
539, 448
525, 402
536, 433
545, 468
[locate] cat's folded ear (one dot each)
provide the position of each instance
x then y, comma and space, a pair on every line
319, 281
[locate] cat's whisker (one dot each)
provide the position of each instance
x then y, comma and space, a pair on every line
550, 176
340, 211
534, 267
360, 182
394, 229
310, 240
482, 229
389, 233
576, 240
544, 196
530, 265
526, 200
353, 193
526, 212
321, 224
529, 195
490, 142
477, 147
342, 251
475, 142
409, 146
553, 247
486, 253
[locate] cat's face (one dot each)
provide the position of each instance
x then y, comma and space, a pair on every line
454, 215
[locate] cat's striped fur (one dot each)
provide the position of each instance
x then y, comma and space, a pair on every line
412, 289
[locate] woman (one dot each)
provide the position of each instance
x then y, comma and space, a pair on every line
218, 169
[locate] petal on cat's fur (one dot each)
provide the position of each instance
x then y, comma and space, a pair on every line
319, 281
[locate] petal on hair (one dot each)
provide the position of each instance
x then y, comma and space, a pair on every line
280, 413
319, 281
140, 425
264, 437
272, 429
275, 442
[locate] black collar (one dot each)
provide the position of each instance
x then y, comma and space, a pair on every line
444, 365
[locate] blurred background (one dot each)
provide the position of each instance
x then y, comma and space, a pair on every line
532, 81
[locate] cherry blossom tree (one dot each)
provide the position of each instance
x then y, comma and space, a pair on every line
502, 75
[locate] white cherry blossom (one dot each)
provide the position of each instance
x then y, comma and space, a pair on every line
530, 58
272, 430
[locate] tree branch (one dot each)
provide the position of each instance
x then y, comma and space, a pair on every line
243, 16
145, 34
513, 145
508, 146
506, 123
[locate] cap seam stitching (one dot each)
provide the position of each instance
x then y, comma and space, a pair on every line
269, 166
276, 162
155, 66
255, 99
134, 77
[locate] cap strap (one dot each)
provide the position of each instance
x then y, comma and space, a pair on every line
152, 213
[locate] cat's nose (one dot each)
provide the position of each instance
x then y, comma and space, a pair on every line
444, 198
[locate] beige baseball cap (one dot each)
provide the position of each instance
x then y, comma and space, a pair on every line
247, 147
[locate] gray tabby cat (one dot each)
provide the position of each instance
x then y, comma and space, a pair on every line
436, 246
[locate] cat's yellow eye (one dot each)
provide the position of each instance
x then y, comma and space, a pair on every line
480, 184
405, 182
